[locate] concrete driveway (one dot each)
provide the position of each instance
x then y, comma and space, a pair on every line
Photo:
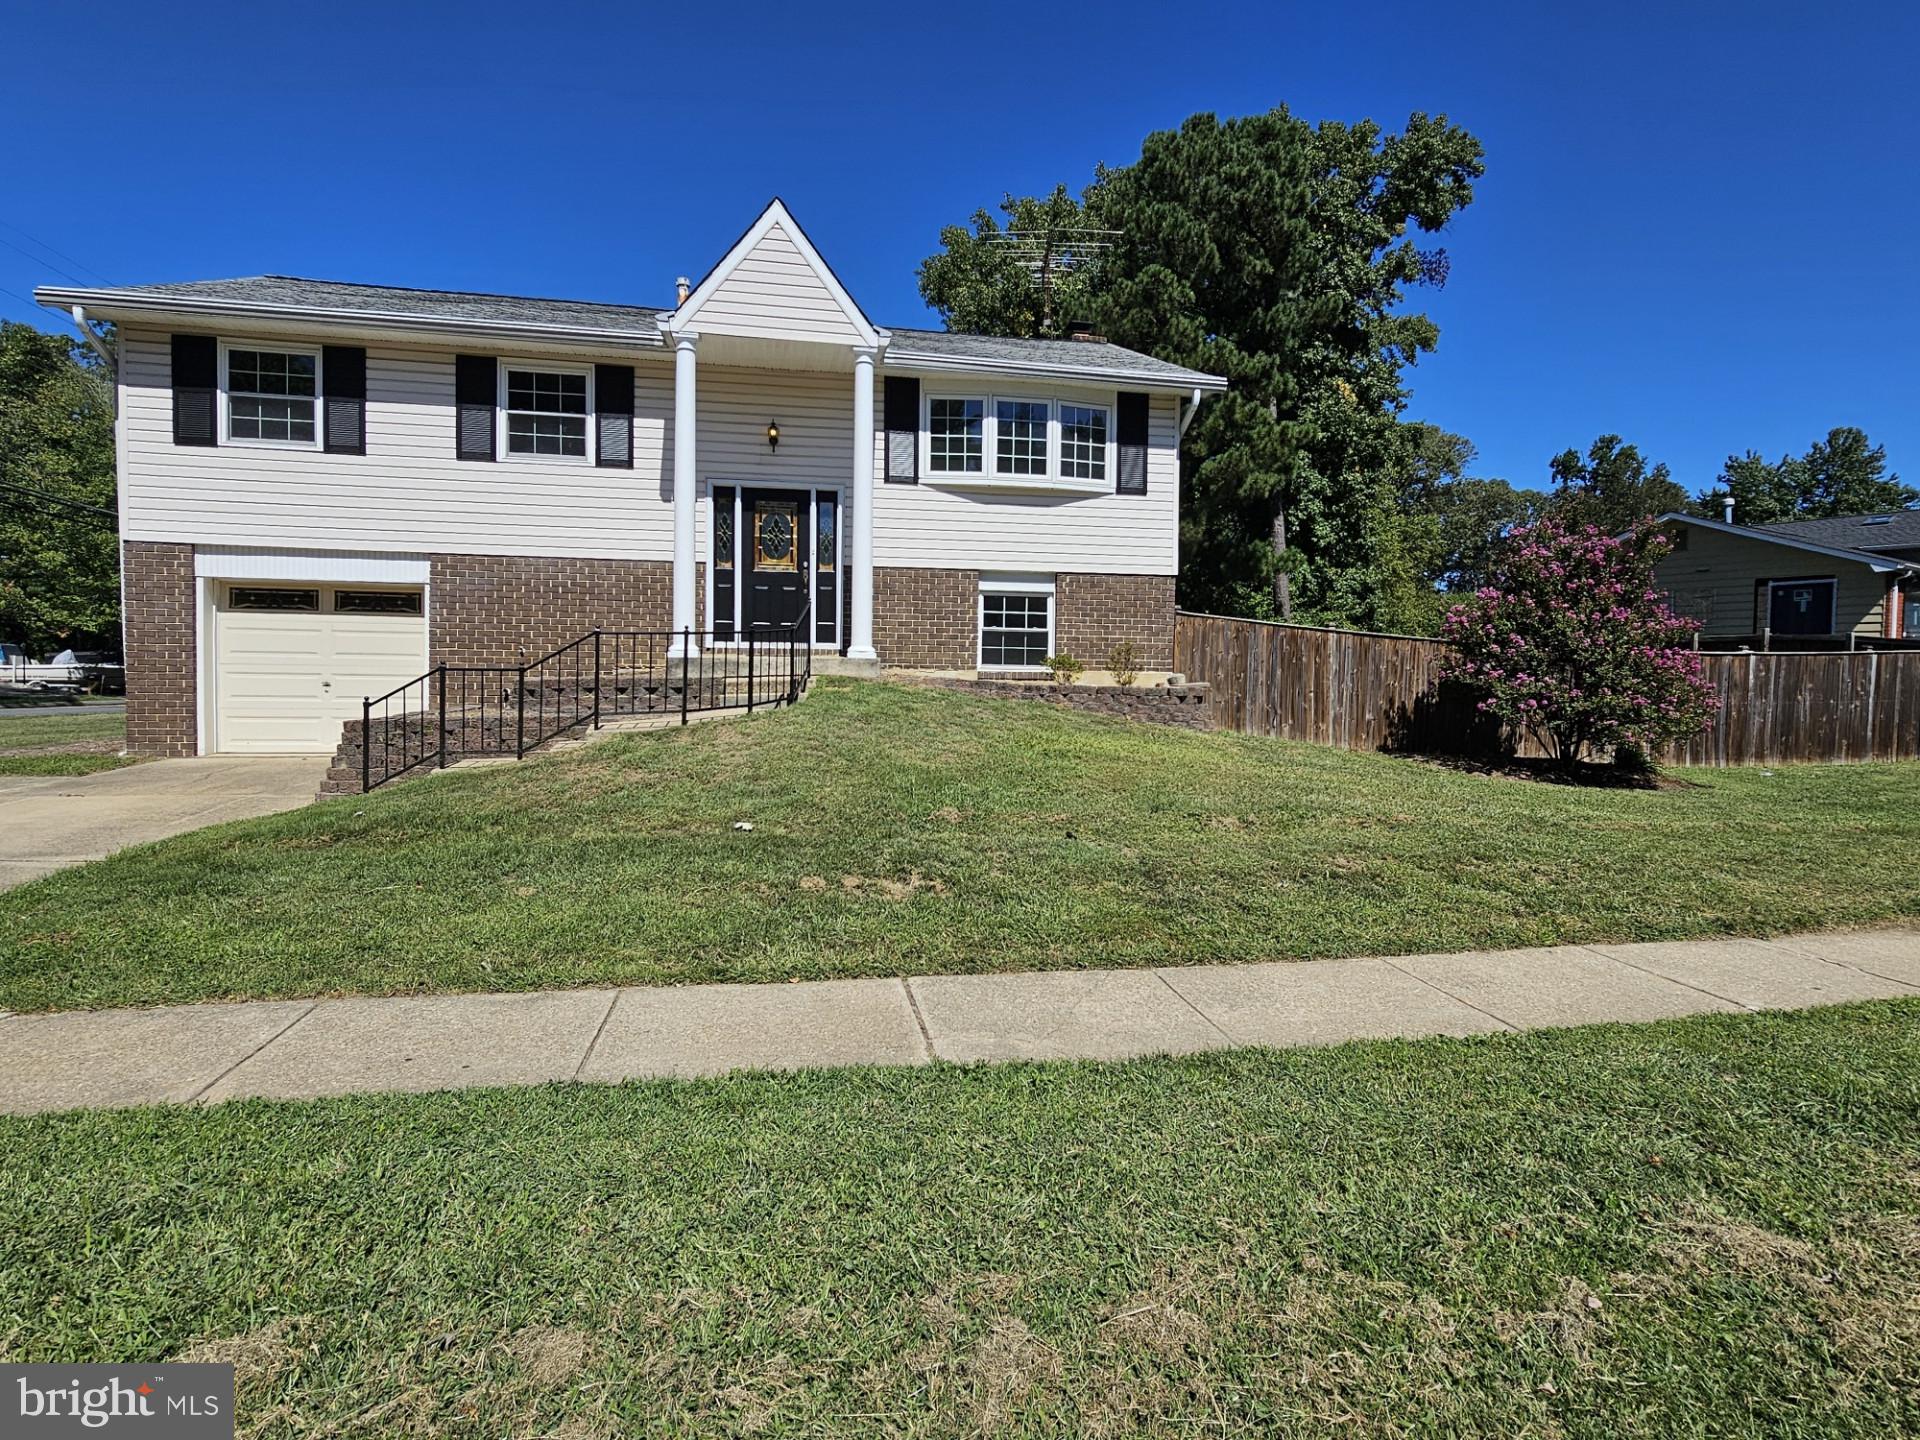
50, 822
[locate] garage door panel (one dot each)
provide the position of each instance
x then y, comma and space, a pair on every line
286, 680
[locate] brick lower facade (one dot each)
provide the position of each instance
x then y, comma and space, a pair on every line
491, 609
928, 619
162, 656
494, 609
1096, 612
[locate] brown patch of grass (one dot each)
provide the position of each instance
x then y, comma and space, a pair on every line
1007, 1365
550, 1355
881, 887
258, 1357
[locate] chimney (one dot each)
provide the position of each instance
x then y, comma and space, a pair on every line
1726, 508
1081, 330
682, 287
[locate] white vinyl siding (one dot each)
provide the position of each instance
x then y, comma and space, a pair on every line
408, 493
978, 527
774, 292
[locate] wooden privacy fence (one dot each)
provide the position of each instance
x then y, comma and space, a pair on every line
1365, 691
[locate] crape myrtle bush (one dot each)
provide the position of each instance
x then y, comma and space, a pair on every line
1574, 644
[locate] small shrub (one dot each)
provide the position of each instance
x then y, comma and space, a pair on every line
1123, 662
1573, 643
1065, 669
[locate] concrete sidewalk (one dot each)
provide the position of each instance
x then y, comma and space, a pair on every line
304, 1048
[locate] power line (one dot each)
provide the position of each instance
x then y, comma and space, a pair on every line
51, 251
68, 274
58, 500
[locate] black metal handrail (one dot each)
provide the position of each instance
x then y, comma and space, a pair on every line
461, 711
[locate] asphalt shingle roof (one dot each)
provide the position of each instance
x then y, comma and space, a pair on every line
1069, 354
296, 293
1884, 530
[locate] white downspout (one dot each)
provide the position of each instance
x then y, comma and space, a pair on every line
98, 345
1193, 408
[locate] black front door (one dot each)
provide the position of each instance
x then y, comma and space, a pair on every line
775, 547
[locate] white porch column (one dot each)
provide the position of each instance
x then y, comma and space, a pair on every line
860, 643
685, 487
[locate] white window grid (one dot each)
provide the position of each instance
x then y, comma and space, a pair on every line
270, 396
1016, 628
1020, 437
546, 411
1083, 441
956, 435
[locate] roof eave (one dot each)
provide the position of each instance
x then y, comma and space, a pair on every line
1880, 564
901, 355
109, 304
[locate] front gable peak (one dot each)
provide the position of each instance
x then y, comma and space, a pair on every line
774, 284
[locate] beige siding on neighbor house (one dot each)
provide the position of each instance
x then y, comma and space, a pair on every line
774, 291
1717, 581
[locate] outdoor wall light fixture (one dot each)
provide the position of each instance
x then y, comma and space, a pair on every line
773, 434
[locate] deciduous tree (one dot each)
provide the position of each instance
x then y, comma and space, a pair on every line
59, 564
1573, 643
1277, 253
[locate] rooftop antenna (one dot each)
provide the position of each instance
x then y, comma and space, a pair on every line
1051, 253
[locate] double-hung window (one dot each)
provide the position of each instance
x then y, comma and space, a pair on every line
270, 397
1083, 442
546, 411
1016, 628
956, 436
1020, 437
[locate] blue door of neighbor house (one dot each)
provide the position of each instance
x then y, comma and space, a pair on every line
1800, 607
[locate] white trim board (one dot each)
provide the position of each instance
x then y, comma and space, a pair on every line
227, 562
681, 320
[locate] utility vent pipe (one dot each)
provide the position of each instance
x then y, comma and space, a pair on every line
682, 288
1726, 508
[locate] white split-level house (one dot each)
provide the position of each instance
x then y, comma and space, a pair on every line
326, 488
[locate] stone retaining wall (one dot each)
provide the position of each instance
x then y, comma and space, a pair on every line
1183, 705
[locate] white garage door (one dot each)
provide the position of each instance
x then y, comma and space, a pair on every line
292, 661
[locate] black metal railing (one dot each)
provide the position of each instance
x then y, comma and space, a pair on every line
456, 712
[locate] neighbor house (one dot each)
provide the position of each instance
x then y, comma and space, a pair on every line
1857, 575
327, 488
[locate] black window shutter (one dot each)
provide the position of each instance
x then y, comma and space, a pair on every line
1131, 432
196, 381
613, 414
902, 423
343, 374
476, 386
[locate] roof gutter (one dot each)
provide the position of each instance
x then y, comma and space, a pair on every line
109, 302
909, 358
1879, 564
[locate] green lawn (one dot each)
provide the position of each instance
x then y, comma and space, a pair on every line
61, 742
907, 830
1703, 1227
64, 726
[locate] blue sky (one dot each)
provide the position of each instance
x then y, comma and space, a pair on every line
1695, 228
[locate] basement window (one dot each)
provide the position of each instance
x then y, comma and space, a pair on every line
1016, 624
